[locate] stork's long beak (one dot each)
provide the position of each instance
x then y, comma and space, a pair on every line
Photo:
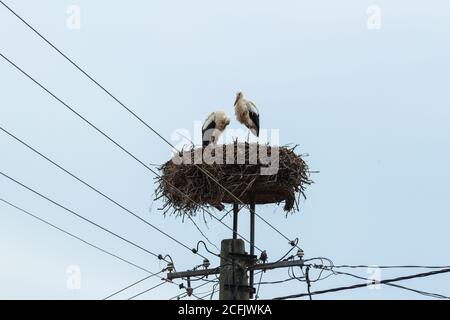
237, 99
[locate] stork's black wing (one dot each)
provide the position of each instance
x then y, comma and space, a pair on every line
255, 118
207, 133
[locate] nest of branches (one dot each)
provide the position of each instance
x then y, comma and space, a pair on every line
233, 173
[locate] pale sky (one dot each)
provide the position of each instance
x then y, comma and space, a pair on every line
370, 107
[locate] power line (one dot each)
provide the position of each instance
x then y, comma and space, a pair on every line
85, 73
139, 118
424, 293
105, 135
259, 286
185, 294
111, 140
211, 293
209, 251
79, 216
289, 251
391, 266
152, 288
99, 85
110, 199
76, 237
420, 275
95, 189
201, 232
275, 282
429, 294
132, 285
152, 274
198, 298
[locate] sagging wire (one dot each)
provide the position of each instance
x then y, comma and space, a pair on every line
201, 232
206, 248
170, 265
308, 282
259, 286
294, 244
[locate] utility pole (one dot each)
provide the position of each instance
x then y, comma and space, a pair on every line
233, 279
236, 266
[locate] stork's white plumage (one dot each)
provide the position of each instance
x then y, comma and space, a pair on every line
247, 113
213, 127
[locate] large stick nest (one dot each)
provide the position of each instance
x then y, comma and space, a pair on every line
187, 188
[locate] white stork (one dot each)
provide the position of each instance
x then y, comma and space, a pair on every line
214, 125
247, 113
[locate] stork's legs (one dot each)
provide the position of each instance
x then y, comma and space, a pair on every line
248, 137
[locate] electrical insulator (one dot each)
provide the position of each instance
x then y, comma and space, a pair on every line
189, 291
170, 266
206, 263
300, 253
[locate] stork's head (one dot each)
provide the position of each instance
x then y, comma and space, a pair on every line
222, 120
239, 95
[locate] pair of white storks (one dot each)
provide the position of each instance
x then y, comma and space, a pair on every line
246, 113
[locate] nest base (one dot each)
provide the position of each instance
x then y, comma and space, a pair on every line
187, 187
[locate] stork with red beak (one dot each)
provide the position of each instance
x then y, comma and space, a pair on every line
247, 113
213, 127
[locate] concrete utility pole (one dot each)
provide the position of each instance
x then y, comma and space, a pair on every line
233, 279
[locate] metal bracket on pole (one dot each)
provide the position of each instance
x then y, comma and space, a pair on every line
235, 220
277, 265
262, 266
252, 241
192, 273
242, 256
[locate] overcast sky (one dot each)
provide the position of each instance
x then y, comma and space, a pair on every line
369, 103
